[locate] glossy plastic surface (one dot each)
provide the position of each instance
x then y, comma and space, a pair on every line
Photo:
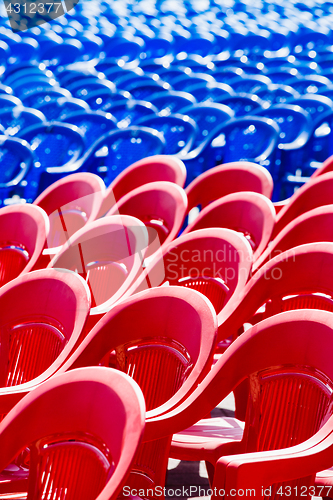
150, 169
160, 205
164, 338
251, 214
77, 442
23, 229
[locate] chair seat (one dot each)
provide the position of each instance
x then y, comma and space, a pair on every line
200, 440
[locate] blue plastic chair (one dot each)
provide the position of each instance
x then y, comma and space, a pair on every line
66, 52
228, 73
178, 131
320, 145
61, 107
327, 91
125, 47
295, 129
82, 89
130, 79
32, 83
16, 161
314, 104
184, 82
36, 99
31, 72
142, 91
9, 101
5, 89
68, 75
250, 83
56, 147
248, 138
119, 149
308, 84
92, 124
27, 49
210, 92
172, 73
92, 45
243, 104
128, 112
103, 99
207, 117
171, 101
18, 118
201, 45
276, 93
117, 72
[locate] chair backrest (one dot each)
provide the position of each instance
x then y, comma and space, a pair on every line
42, 316
178, 131
282, 284
150, 169
35, 99
55, 145
108, 254
88, 457
171, 101
315, 193
18, 118
128, 111
215, 262
312, 226
16, 161
290, 378
249, 213
314, 104
71, 203
326, 167
228, 178
160, 205
92, 124
242, 104
294, 123
23, 229
207, 116
209, 92
246, 138
164, 338
118, 149
63, 106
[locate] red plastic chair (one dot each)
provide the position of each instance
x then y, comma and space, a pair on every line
251, 214
151, 169
291, 383
42, 315
315, 193
83, 429
164, 338
70, 203
108, 254
297, 279
228, 178
314, 225
161, 206
215, 262
23, 230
